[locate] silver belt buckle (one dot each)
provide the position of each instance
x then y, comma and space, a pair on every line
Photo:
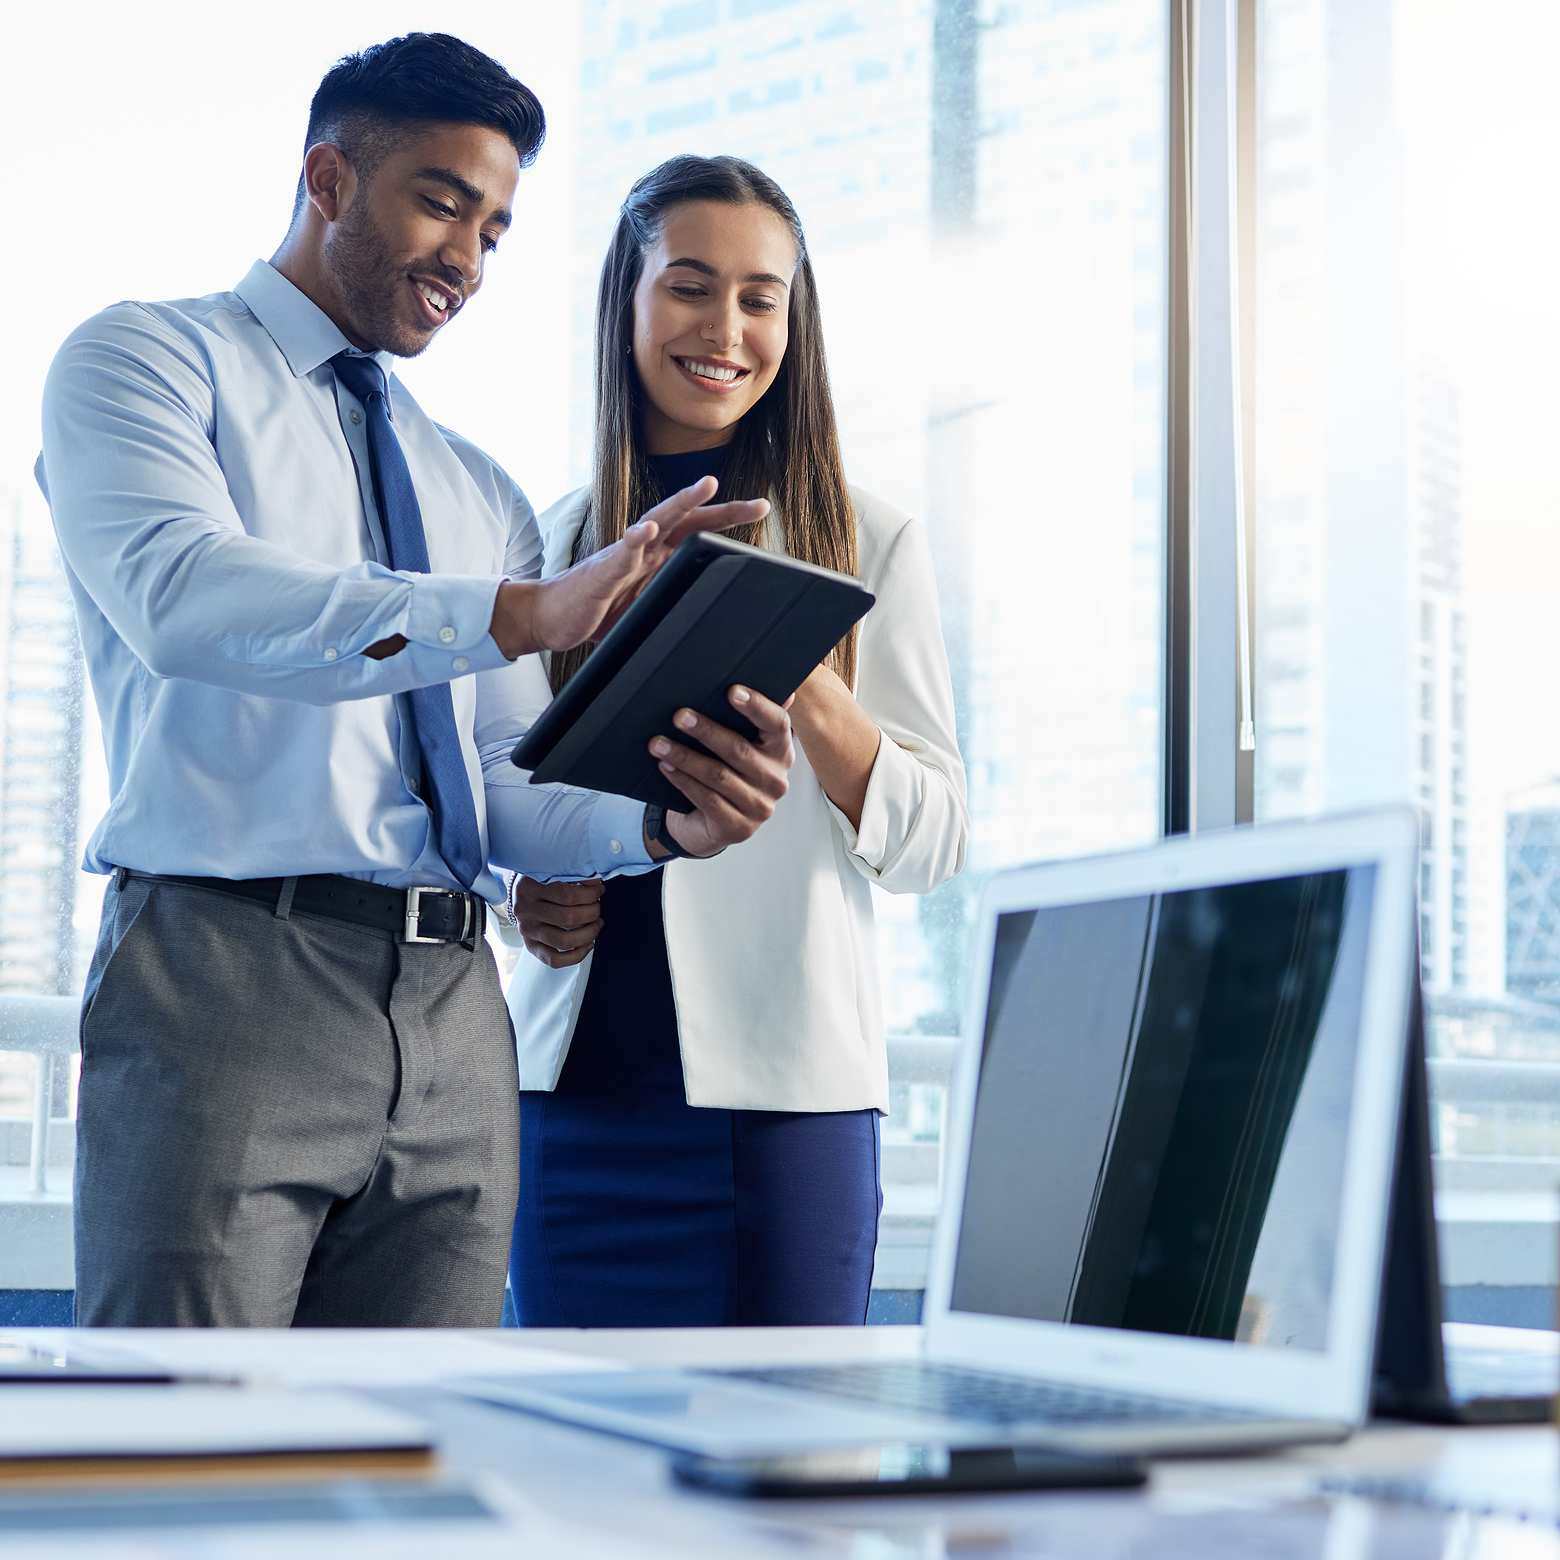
409, 932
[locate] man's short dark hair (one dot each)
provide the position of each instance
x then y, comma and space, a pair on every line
368, 99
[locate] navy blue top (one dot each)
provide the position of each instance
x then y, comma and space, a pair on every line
625, 1041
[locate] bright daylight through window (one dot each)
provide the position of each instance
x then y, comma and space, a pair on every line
986, 207
985, 193
1408, 541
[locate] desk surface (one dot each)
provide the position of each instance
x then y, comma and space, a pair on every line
574, 1493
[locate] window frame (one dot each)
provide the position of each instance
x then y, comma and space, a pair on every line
1210, 637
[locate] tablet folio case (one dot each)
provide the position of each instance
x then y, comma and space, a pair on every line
748, 616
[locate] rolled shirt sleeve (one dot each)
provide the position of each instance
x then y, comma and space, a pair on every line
914, 829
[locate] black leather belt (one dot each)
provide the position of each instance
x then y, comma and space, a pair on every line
414, 915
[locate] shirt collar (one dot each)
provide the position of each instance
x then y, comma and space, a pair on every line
303, 332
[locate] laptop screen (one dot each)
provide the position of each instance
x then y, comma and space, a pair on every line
1163, 1109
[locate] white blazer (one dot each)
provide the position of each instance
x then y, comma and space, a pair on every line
773, 963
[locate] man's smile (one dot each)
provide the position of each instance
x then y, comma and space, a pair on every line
437, 302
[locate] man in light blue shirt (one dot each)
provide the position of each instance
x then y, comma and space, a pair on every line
309, 614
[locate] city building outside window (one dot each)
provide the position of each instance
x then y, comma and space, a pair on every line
1407, 533
984, 191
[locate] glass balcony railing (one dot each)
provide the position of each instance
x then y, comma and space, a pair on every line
1497, 1165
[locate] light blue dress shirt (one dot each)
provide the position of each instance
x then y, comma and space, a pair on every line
209, 481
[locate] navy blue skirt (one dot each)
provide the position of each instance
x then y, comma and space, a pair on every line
640, 1210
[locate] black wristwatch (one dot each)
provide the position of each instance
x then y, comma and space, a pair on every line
657, 832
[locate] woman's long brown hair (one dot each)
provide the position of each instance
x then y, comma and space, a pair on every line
787, 447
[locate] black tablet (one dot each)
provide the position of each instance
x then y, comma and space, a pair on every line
718, 613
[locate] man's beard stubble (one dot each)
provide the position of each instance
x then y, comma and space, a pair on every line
369, 281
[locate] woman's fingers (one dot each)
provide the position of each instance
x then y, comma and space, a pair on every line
734, 785
726, 825
748, 796
734, 766
769, 717
738, 764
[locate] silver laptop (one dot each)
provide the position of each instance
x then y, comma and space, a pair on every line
1171, 1146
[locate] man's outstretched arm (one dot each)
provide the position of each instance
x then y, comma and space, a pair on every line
145, 519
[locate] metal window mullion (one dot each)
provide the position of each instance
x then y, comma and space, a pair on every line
1217, 659
1246, 349
1177, 785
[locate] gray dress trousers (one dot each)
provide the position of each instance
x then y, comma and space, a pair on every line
288, 1120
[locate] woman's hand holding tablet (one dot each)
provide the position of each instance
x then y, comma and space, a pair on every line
735, 784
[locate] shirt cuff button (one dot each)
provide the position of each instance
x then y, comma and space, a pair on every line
330, 654
615, 846
461, 664
446, 635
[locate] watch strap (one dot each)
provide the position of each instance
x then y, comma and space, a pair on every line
657, 832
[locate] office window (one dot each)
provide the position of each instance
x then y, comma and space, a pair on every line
984, 190
987, 221
985, 202
1407, 324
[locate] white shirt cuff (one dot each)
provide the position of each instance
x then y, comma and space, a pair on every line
454, 612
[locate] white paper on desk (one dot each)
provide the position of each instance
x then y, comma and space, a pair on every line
348, 1519
194, 1421
367, 1541
317, 1357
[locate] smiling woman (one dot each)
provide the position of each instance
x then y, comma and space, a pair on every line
707, 312
699, 1125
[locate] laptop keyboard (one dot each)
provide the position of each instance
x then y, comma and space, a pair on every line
987, 1397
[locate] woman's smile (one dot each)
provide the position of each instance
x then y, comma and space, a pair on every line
714, 376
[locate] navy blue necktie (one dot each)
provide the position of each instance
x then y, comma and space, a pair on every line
446, 788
